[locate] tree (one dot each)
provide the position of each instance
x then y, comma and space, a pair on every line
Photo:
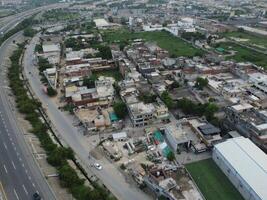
68, 177
201, 83
89, 82
38, 48
120, 109
51, 92
171, 156
29, 32
166, 98
104, 52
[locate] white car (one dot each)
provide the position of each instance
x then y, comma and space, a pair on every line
98, 166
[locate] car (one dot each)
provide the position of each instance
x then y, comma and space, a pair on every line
36, 196
98, 166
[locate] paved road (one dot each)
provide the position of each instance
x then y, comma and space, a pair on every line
10, 22
109, 175
19, 173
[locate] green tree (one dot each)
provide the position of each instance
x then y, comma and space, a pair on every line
201, 83
28, 32
51, 92
166, 98
89, 82
104, 52
171, 156
120, 109
38, 48
68, 177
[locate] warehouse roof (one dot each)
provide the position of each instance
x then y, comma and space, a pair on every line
249, 161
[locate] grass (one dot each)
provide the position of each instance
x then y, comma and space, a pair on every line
212, 182
109, 73
253, 40
244, 54
174, 45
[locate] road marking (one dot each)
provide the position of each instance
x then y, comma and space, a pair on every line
16, 194
29, 177
24, 188
3, 191
5, 145
23, 165
5, 168
26, 171
13, 165
33, 185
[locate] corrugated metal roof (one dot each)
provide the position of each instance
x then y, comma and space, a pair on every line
249, 161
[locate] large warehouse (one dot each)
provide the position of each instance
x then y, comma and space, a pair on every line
245, 165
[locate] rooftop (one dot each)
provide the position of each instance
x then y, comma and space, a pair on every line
249, 162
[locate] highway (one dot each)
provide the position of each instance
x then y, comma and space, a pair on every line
70, 134
10, 22
20, 176
19, 173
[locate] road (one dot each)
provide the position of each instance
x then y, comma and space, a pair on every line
19, 173
10, 22
70, 134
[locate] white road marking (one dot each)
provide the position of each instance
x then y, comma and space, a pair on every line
29, 177
16, 194
5, 146
24, 188
5, 168
33, 185
13, 165
23, 165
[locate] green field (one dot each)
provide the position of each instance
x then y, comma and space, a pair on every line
109, 73
174, 45
253, 40
244, 54
212, 182
60, 15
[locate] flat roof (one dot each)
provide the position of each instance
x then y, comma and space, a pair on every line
50, 47
249, 161
101, 22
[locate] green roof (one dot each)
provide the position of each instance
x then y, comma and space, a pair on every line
220, 49
113, 117
166, 151
158, 136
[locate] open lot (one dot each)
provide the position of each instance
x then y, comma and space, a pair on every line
212, 182
243, 54
248, 39
175, 45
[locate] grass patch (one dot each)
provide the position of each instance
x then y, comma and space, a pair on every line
252, 39
109, 73
212, 181
165, 40
244, 54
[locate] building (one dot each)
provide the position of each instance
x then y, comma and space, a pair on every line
10, 2
51, 52
245, 165
249, 122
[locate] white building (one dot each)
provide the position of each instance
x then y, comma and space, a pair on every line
245, 165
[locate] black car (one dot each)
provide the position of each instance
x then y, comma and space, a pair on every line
36, 196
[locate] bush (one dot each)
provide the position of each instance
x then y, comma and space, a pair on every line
51, 92
120, 109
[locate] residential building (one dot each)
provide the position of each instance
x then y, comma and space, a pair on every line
249, 122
